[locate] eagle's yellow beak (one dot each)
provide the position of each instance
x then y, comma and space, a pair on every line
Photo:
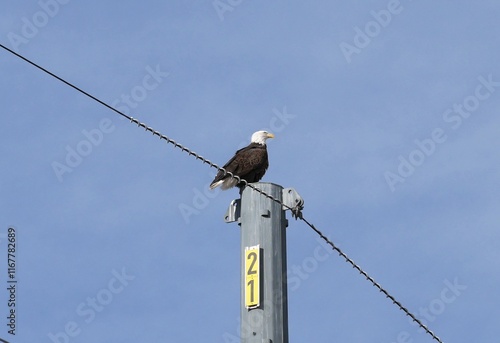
270, 135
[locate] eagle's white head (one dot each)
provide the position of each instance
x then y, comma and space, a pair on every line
261, 137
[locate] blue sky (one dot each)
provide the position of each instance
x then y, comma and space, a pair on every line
385, 116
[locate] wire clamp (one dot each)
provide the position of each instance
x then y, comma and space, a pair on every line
294, 202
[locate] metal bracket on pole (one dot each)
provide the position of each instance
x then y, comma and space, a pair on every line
233, 212
292, 199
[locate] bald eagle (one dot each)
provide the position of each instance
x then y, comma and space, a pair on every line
249, 163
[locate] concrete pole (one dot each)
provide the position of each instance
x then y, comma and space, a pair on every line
264, 303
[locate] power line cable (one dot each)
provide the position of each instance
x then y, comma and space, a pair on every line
372, 281
296, 211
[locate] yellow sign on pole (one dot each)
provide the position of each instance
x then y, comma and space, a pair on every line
252, 277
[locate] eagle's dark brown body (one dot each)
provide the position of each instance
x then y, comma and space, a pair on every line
249, 163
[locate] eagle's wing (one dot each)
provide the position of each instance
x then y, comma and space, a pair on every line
250, 160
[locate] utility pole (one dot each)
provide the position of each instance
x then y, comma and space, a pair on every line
264, 301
